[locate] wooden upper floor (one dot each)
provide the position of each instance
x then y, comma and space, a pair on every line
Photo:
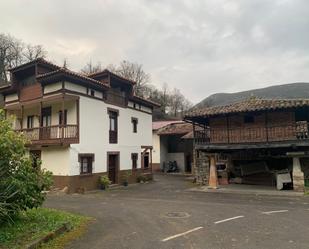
39, 78
252, 123
45, 99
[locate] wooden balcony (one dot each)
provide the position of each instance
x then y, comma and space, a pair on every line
52, 135
295, 132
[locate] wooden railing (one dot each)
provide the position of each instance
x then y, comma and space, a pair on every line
285, 132
52, 134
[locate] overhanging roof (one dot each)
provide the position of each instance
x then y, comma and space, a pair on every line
250, 105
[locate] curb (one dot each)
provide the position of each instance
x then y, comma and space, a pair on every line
52, 235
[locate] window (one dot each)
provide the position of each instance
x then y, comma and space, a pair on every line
113, 126
30, 122
134, 157
92, 92
65, 117
248, 119
134, 124
86, 161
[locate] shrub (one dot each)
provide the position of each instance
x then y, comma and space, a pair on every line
104, 181
141, 178
21, 185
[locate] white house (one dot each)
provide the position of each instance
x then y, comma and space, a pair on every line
172, 142
81, 126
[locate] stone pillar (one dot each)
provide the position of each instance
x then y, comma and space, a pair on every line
298, 176
201, 167
213, 178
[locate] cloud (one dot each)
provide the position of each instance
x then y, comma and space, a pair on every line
198, 46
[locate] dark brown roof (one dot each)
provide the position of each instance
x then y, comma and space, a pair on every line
144, 101
250, 105
175, 129
67, 72
38, 60
106, 71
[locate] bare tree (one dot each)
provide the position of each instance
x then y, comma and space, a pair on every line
90, 68
14, 52
10, 54
176, 101
32, 52
134, 72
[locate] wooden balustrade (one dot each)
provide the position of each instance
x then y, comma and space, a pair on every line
52, 134
285, 132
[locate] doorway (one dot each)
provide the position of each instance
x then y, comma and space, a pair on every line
146, 160
45, 132
113, 165
188, 163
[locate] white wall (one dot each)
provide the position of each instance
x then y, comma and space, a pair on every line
94, 135
156, 147
52, 87
56, 160
179, 158
11, 97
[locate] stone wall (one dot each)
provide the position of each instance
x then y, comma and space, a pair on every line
201, 167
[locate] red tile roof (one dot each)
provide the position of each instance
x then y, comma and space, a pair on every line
249, 105
65, 71
159, 124
144, 101
176, 129
106, 71
38, 60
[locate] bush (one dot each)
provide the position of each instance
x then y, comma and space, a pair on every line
141, 179
21, 185
104, 181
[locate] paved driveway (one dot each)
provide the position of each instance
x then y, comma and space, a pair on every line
164, 214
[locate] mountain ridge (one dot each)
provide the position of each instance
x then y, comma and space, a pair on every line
283, 91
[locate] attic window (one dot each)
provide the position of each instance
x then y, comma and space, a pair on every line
248, 119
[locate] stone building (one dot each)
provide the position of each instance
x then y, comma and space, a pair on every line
256, 141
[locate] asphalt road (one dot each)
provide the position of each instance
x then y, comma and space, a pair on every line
165, 214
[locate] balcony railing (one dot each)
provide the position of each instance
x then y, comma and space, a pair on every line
278, 133
52, 134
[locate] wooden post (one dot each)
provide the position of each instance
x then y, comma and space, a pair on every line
228, 129
151, 160
77, 117
266, 125
213, 179
22, 117
62, 119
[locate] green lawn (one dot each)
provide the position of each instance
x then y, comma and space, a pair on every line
35, 223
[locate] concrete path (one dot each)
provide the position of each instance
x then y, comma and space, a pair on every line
164, 214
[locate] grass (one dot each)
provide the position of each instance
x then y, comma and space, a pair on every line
35, 223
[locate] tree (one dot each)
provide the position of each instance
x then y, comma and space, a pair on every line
135, 72
21, 185
32, 52
89, 68
14, 52
176, 101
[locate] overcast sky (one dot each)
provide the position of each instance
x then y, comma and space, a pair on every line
201, 47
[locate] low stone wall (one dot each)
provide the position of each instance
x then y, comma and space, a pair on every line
82, 183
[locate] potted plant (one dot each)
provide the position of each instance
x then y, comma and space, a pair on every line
104, 182
125, 179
